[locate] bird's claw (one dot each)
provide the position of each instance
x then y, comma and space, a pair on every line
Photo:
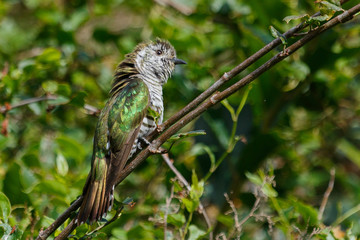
159, 150
152, 149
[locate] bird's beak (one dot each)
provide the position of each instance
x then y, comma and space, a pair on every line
178, 61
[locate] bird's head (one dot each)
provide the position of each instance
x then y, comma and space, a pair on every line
156, 60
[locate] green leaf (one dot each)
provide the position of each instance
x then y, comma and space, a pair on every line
195, 233
276, 34
5, 207
319, 19
5, 229
331, 7
269, 191
79, 99
10, 233
153, 113
118, 233
197, 188
59, 101
52, 187
64, 90
227, 220
70, 148
191, 205
199, 149
50, 86
307, 212
350, 151
179, 136
49, 56
254, 178
177, 219
62, 166
15, 190
177, 187
294, 17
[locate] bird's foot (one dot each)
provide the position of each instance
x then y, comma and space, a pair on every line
142, 141
159, 150
152, 149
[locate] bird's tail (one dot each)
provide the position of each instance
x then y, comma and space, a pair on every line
98, 197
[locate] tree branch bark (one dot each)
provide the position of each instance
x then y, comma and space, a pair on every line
208, 99
4, 109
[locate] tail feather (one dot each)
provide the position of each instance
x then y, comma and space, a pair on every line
96, 196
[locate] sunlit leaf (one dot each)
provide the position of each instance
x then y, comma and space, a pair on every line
350, 151
61, 164
254, 178
180, 136
176, 219
5, 207
293, 17
195, 232
331, 6
191, 205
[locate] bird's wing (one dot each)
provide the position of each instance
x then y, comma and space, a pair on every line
117, 129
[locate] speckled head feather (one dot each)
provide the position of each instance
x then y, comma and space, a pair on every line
153, 60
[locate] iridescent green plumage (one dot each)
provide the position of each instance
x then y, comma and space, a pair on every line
127, 117
118, 125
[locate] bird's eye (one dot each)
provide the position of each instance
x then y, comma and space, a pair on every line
159, 52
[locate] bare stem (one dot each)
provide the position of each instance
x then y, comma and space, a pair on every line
4, 109
327, 194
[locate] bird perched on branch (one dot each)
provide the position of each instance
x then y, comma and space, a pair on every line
132, 112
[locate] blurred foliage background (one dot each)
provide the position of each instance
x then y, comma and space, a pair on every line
300, 120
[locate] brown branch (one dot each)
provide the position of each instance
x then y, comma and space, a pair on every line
327, 194
4, 109
193, 109
44, 234
188, 187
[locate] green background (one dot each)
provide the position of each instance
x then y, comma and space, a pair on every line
300, 120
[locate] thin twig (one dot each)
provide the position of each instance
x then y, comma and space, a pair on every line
65, 215
66, 232
188, 187
236, 215
116, 216
327, 194
4, 109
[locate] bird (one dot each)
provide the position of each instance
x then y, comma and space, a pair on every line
133, 110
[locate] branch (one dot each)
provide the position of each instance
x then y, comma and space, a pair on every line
327, 193
65, 215
4, 109
199, 105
